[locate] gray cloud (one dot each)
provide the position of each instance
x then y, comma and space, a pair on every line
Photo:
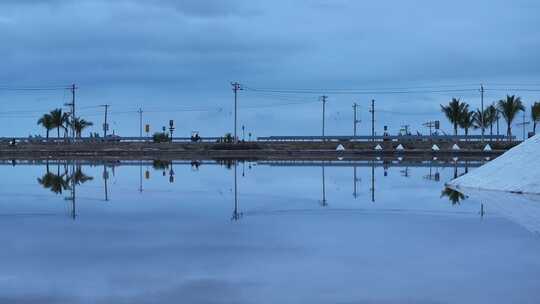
163, 50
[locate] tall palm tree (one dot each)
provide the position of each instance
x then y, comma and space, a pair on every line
453, 111
79, 124
535, 114
58, 120
46, 122
509, 108
466, 120
491, 114
480, 119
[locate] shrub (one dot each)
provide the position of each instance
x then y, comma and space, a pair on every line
160, 137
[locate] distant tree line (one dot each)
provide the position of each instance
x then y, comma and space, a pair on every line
461, 116
61, 121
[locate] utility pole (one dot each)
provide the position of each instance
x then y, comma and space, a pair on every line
498, 116
323, 99
482, 110
73, 88
105, 124
355, 121
524, 125
140, 122
236, 87
372, 119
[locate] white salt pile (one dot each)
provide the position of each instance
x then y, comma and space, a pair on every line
517, 170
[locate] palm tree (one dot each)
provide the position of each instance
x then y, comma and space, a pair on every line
466, 120
509, 108
47, 123
58, 120
453, 111
477, 119
535, 114
491, 114
79, 125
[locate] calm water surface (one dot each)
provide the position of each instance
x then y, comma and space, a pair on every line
139, 233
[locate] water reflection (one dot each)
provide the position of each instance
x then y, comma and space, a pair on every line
267, 227
455, 197
69, 174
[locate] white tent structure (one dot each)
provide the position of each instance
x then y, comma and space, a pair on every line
378, 147
455, 147
340, 147
435, 148
517, 170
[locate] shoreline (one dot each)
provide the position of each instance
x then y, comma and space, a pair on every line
253, 150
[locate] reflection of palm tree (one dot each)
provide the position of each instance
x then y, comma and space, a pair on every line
57, 183
509, 108
161, 164
79, 177
454, 196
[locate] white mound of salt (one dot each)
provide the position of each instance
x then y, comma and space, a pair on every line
517, 170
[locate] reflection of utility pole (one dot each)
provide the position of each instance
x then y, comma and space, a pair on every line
105, 178
140, 176
482, 212
355, 179
323, 202
171, 174
372, 181
236, 215
72, 197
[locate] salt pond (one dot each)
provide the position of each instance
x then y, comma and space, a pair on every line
291, 234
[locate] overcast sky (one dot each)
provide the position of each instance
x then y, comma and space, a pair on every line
171, 56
